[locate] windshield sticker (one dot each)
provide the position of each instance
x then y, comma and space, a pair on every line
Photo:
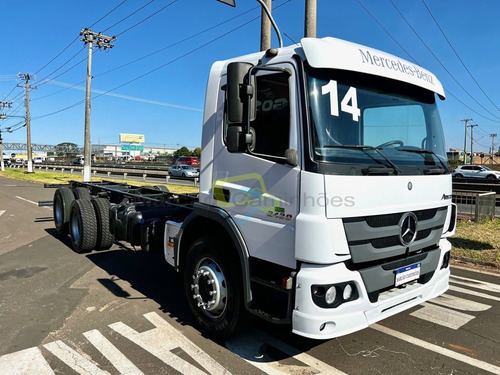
349, 103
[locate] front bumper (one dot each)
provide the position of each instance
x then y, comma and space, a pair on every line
315, 322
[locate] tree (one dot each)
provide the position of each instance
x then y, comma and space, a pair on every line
183, 151
67, 149
197, 152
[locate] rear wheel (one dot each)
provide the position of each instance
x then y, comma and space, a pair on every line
105, 238
61, 207
83, 226
82, 193
213, 288
458, 175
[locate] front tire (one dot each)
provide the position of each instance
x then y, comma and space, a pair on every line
213, 288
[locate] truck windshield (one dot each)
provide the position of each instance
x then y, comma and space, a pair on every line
363, 124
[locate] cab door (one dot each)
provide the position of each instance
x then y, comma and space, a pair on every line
260, 194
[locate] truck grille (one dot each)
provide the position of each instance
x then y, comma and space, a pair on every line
377, 251
374, 238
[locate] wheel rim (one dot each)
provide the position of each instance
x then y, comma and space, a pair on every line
209, 288
75, 228
58, 212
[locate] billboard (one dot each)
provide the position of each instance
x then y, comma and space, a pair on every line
132, 148
131, 138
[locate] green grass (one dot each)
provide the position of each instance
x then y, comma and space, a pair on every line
62, 178
477, 241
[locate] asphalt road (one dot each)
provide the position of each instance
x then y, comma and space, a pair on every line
123, 312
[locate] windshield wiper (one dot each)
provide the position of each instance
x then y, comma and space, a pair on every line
385, 169
428, 152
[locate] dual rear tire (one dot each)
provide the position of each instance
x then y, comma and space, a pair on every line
85, 218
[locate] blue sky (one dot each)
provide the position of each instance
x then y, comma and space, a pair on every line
161, 94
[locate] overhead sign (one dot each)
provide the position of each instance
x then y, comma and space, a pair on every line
132, 148
131, 138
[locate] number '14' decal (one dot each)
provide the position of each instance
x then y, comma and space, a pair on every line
349, 103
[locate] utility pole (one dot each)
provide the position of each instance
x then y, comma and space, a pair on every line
2, 106
472, 126
466, 120
310, 19
26, 78
492, 146
101, 41
265, 27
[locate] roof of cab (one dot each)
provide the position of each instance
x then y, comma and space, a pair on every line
339, 54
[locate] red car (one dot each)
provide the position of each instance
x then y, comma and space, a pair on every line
189, 160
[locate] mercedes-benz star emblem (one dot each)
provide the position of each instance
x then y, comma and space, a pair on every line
408, 225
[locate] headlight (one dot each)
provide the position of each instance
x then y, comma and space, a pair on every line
334, 295
330, 295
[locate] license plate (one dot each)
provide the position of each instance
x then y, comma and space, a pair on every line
407, 274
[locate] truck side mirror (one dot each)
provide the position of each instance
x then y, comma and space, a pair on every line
239, 141
239, 87
291, 157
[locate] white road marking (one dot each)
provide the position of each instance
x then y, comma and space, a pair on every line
473, 293
73, 359
26, 200
249, 347
437, 349
35, 203
458, 303
2, 212
483, 285
442, 316
117, 358
161, 340
28, 361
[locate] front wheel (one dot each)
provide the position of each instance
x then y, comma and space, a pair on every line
491, 177
213, 288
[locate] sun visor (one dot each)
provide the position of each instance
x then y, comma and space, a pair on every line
339, 54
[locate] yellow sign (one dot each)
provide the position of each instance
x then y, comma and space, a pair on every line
132, 138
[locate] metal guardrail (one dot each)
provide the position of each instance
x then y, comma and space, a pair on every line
120, 171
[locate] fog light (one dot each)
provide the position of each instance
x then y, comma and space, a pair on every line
330, 295
347, 292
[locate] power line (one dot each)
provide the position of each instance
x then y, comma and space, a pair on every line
130, 15
165, 64
187, 53
458, 56
148, 17
107, 14
438, 60
416, 61
179, 42
61, 66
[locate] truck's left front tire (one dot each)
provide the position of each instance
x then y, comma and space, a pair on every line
213, 288
83, 226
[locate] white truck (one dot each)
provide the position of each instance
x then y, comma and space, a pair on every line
325, 194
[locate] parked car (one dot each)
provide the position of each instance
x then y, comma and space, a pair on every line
78, 161
6, 162
475, 171
38, 160
183, 171
189, 160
